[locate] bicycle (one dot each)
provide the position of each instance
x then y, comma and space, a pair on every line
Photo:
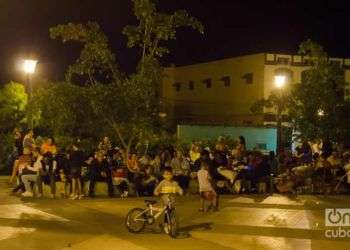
137, 218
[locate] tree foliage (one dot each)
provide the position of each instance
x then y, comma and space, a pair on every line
316, 106
126, 104
318, 101
13, 102
155, 28
96, 62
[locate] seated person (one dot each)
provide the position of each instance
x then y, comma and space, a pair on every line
120, 177
19, 165
147, 183
285, 182
100, 172
31, 172
48, 174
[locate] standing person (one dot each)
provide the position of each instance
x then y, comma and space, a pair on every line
100, 172
86, 172
28, 140
18, 142
206, 190
17, 148
31, 173
76, 161
273, 163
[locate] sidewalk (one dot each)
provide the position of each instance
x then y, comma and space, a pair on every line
274, 222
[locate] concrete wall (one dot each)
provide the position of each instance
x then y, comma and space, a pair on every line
229, 105
254, 136
218, 101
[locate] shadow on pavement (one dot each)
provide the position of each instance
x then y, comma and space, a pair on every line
185, 232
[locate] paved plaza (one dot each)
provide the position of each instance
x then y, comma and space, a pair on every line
243, 222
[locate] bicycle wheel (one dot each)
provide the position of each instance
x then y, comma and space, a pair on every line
173, 224
135, 220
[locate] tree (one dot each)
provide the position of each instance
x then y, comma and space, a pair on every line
64, 109
126, 104
279, 100
318, 101
154, 28
96, 62
13, 103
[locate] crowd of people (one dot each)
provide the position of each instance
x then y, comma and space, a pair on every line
314, 167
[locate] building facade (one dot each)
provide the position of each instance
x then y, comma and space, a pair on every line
222, 92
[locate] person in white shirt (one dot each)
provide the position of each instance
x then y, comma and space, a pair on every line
206, 190
30, 173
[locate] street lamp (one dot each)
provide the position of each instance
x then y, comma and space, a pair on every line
280, 82
29, 66
320, 112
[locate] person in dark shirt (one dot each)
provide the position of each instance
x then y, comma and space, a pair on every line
76, 161
100, 172
18, 143
220, 160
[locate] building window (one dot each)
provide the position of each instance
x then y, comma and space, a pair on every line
283, 60
226, 80
248, 78
177, 86
207, 83
191, 85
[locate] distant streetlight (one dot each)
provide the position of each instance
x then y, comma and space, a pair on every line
280, 82
29, 66
320, 112
162, 114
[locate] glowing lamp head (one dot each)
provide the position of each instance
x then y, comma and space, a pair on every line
280, 81
320, 112
29, 66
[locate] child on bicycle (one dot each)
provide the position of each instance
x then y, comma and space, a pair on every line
207, 192
167, 188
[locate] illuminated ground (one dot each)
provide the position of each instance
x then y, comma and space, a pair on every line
242, 223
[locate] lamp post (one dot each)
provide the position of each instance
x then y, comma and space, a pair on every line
29, 66
280, 81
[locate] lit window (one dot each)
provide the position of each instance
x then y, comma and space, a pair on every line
226, 80
191, 85
207, 83
248, 78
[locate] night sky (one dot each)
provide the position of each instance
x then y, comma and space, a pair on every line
232, 28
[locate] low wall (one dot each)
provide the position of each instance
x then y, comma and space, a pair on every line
263, 138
